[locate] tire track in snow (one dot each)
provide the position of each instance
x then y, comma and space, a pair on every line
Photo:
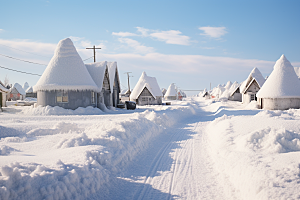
156, 162
190, 161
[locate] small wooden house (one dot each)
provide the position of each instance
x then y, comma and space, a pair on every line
281, 90
249, 87
3, 94
17, 92
147, 91
66, 81
236, 95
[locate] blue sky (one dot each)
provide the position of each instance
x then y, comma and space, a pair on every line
190, 43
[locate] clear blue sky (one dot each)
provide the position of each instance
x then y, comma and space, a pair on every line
190, 43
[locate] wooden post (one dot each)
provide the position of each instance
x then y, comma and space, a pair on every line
94, 48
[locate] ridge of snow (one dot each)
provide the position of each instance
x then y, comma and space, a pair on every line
282, 82
171, 91
65, 71
152, 83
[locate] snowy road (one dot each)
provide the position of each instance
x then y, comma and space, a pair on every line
175, 166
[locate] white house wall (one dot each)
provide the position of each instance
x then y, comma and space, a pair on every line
279, 103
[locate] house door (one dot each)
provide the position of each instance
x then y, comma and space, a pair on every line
0, 99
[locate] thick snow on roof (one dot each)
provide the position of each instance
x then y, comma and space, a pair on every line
255, 73
297, 70
65, 71
25, 86
171, 91
97, 72
112, 69
228, 85
3, 89
282, 82
151, 84
29, 90
19, 88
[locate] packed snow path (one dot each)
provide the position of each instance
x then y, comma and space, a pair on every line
175, 166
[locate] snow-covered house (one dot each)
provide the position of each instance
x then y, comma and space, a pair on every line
235, 94
171, 93
251, 86
3, 94
30, 93
106, 77
66, 81
147, 91
281, 90
17, 92
163, 90
25, 86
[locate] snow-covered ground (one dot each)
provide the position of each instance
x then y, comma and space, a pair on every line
193, 149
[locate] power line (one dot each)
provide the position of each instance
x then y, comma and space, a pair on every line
20, 71
22, 60
88, 58
24, 51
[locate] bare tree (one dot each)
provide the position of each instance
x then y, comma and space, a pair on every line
6, 81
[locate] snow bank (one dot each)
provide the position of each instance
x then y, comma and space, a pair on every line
106, 146
258, 155
49, 110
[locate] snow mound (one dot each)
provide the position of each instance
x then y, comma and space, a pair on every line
282, 82
8, 132
274, 141
59, 128
49, 110
65, 71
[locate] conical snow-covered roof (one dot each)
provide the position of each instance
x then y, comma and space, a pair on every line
25, 86
255, 73
150, 83
282, 82
65, 71
171, 91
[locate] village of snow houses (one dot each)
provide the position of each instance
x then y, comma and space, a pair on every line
76, 134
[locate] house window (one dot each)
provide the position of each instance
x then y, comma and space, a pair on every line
252, 97
62, 97
93, 97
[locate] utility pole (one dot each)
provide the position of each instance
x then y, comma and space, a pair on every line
94, 52
128, 82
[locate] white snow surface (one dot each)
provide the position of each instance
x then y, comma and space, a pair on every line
171, 91
297, 70
255, 73
192, 149
150, 83
282, 82
65, 71
19, 88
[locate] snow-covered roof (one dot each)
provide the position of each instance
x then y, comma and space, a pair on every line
171, 91
282, 82
112, 70
29, 90
255, 73
65, 71
297, 70
151, 84
228, 85
19, 88
3, 89
97, 72
25, 86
